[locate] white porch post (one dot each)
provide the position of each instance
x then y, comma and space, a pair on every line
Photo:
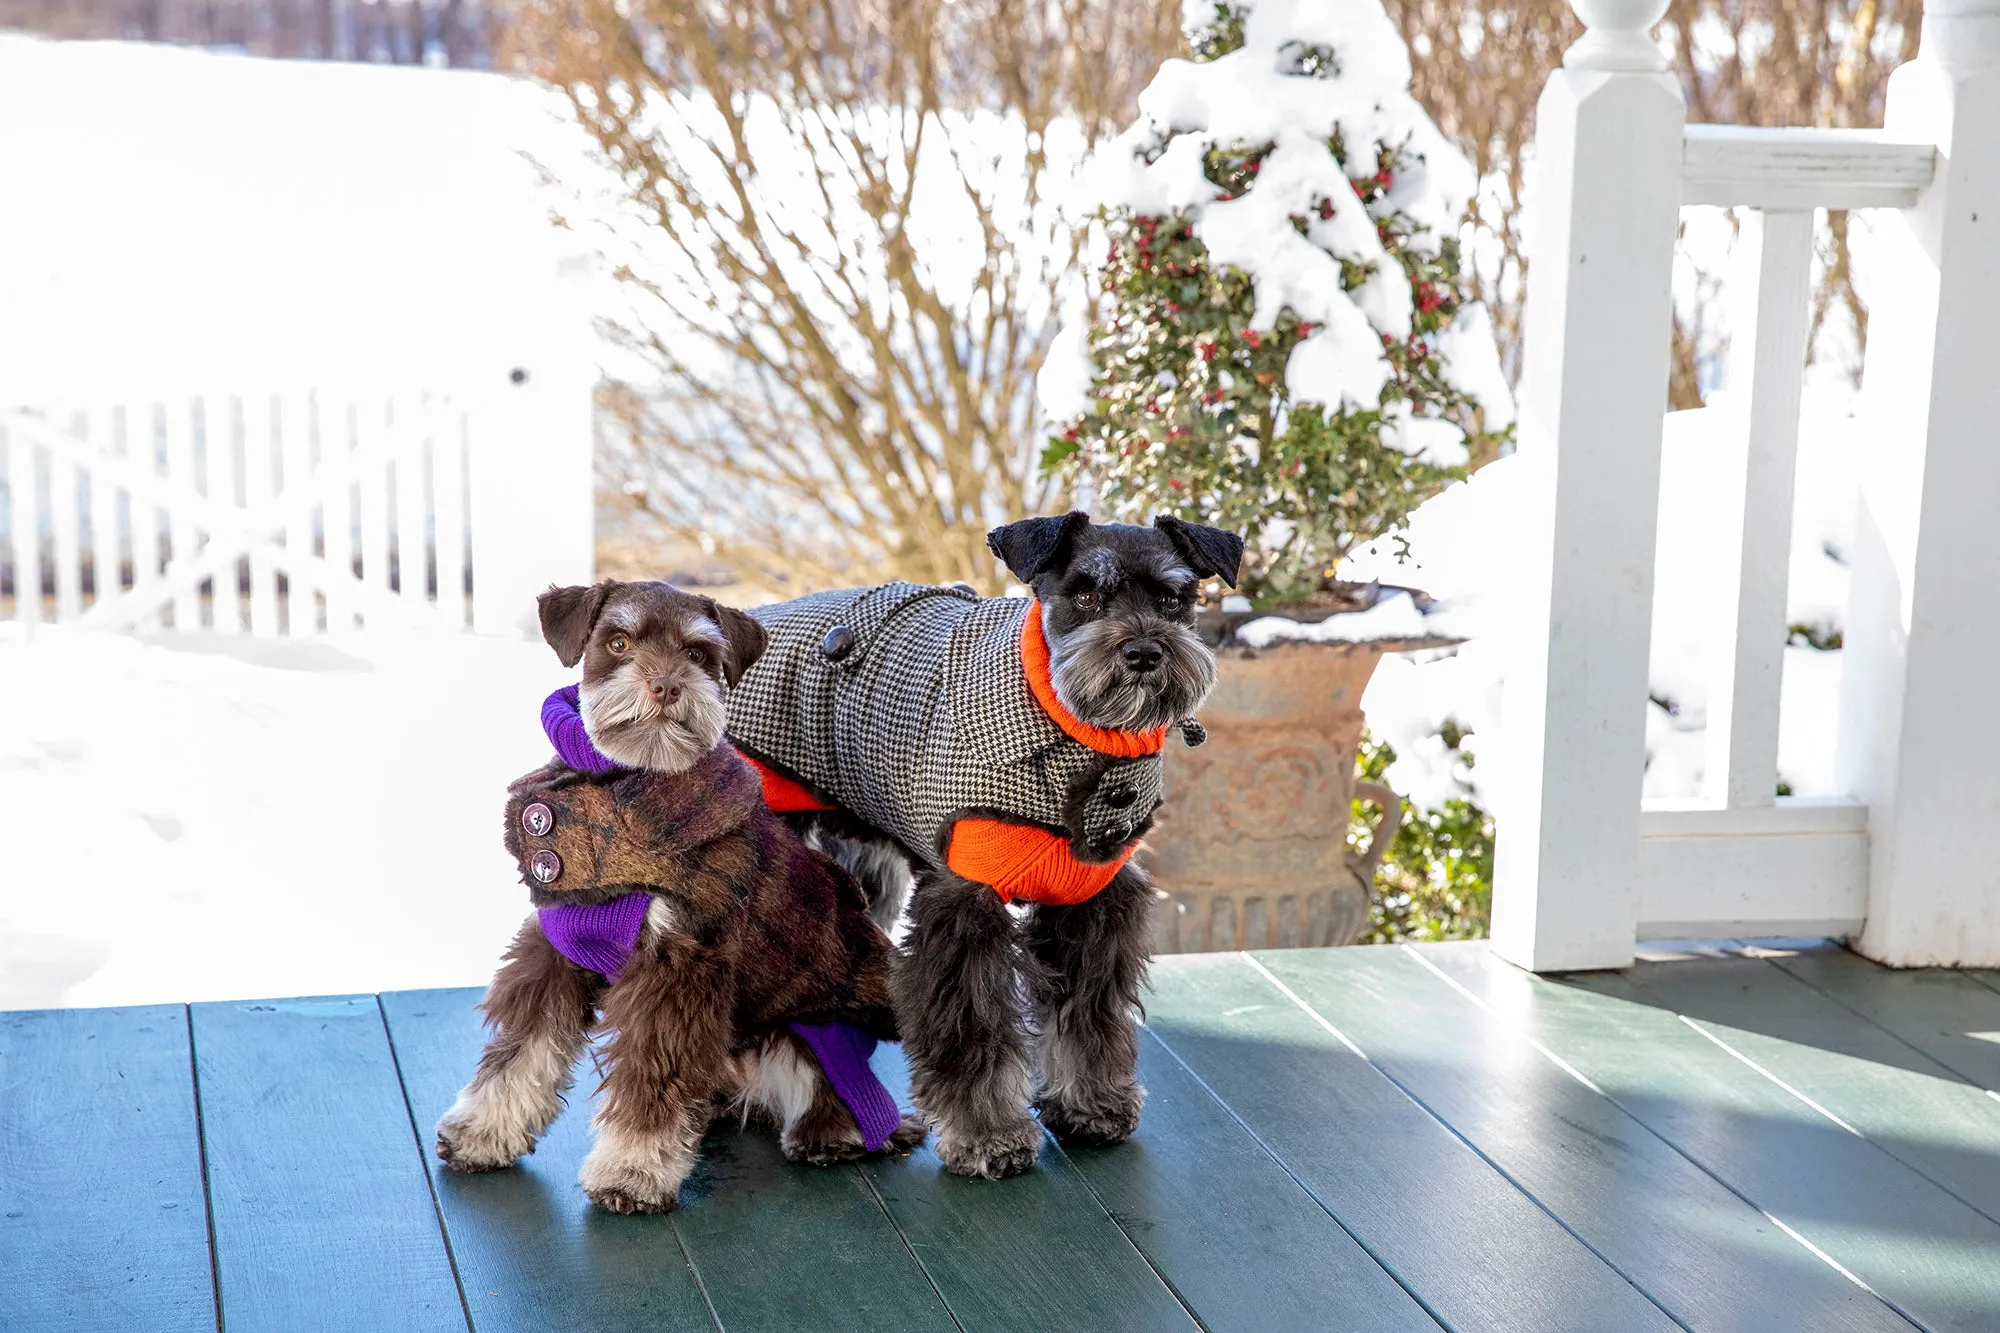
1920, 734
1605, 201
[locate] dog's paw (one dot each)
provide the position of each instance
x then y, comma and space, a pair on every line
620, 1183
993, 1156
1099, 1125
469, 1142
909, 1135
618, 1201
824, 1151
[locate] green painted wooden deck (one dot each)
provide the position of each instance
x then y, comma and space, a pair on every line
1371, 1138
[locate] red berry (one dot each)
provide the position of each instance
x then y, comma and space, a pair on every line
1252, 337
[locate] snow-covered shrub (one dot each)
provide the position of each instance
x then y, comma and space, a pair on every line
1280, 341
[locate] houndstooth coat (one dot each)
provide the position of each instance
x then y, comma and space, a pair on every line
922, 722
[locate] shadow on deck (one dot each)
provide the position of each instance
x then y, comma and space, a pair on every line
1747, 1137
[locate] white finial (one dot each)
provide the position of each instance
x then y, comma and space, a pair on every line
1617, 35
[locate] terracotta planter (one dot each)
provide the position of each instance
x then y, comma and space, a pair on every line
1250, 851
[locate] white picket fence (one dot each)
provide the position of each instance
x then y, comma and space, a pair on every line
1903, 861
294, 514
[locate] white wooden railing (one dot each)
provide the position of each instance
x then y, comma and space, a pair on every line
294, 514
1902, 863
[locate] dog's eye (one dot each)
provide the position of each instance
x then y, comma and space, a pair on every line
698, 656
1172, 603
1088, 601
618, 643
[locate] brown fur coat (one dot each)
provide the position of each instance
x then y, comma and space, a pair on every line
783, 927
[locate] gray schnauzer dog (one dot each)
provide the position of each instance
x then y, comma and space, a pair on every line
1005, 751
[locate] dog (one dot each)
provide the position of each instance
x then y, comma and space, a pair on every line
1000, 751
732, 965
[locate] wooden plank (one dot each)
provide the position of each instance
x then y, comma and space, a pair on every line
295, 424
1949, 1016
1704, 1254
1922, 1250
259, 458
1243, 1244
64, 513
447, 432
1802, 168
1886, 1088
323, 1216
748, 1219
410, 425
102, 1219
1797, 866
105, 563
1753, 498
1476, 1250
182, 542
218, 433
746, 1205
142, 451
371, 476
24, 527
336, 496
532, 1252
1033, 1253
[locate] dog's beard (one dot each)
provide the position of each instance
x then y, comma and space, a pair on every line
629, 727
1094, 683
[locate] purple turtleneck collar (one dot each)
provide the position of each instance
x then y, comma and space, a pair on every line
601, 937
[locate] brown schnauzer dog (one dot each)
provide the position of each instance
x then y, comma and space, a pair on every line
679, 907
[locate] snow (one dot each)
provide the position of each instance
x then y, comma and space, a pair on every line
194, 817
1471, 359
1457, 543
196, 218
1246, 100
1394, 616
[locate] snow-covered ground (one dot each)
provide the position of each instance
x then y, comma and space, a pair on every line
178, 219
194, 817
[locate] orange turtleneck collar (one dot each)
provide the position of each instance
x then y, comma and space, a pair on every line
1041, 683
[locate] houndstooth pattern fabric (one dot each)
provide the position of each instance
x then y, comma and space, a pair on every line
928, 719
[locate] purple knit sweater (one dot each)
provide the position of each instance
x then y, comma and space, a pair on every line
602, 936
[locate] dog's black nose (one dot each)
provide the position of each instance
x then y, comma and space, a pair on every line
664, 690
1143, 655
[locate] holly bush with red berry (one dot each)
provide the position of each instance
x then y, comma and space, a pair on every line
1189, 412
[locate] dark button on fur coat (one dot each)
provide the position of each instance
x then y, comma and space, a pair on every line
787, 924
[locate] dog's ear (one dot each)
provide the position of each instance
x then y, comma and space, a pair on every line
1208, 551
1034, 544
568, 616
745, 637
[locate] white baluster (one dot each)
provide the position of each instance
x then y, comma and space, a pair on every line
1753, 489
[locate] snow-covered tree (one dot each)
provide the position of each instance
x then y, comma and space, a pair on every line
1279, 340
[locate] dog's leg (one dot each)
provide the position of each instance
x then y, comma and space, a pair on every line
871, 856
668, 1055
816, 1127
956, 984
1092, 960
539, 1007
